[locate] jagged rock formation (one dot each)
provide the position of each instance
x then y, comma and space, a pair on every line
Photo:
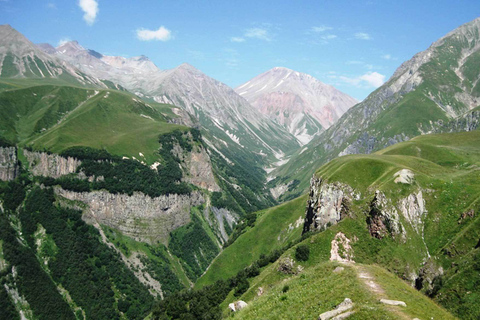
138, 216
50, 165
298, 101
383, 218
8, 163
327, 204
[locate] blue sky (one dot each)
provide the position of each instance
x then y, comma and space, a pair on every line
352, 45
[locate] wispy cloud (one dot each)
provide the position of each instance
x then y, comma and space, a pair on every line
90, 9
374, 79
51, 5
367, 80
161, 34
258, 33
64, 40
328, 37
363, 36
321, 29
237, 39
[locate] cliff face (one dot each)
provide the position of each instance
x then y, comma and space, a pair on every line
8, 163
327, 204
197, 168
138, 216
50, 165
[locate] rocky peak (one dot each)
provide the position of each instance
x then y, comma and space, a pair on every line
70, 48
298, 101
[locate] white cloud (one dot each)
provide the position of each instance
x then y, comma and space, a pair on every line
321, 29
62, 41
237, 39
90, 8
328, 37
162, 34
51, 5
369, 79
363, 36
386, 57
258, 33
374, 79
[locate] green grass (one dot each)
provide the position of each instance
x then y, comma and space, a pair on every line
319, 289
57, 117
271, 231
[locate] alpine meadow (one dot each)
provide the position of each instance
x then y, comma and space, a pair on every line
135, 187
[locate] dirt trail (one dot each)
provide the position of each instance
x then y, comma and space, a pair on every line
369, 281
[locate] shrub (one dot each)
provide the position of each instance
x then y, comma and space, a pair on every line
302, 252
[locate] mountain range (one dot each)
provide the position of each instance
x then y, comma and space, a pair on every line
436, 88
123, 185
302, 104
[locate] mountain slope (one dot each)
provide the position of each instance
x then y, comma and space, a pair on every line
301, 103
411, 209
214, 105
19, 58
436, 86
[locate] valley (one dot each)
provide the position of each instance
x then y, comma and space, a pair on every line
131, 192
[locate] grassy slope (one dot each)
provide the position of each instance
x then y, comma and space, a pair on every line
57, 117
319, 289
446, 170
271, 231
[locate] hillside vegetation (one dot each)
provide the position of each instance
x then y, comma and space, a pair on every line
434, 255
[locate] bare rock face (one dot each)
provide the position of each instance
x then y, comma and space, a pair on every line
413, 209
200, 170
383, 218
8, 163
50, 165
327, 204
341, 250
138, 216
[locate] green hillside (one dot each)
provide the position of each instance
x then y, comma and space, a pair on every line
274, 228
58, 117
434, 257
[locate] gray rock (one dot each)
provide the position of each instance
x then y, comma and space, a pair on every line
338, 269
237, 305
50, 165
8, 163
343, 315
347, 304
393, 302
327, 204
138, 216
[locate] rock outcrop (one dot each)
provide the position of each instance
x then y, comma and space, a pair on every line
237, 305
8, 163
200, 171
341, 250
383, 219
50, 165
138, 216
327, 204
346, 305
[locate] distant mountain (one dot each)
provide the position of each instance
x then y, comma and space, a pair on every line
21, 59
437, 86
217, 108
298, 101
